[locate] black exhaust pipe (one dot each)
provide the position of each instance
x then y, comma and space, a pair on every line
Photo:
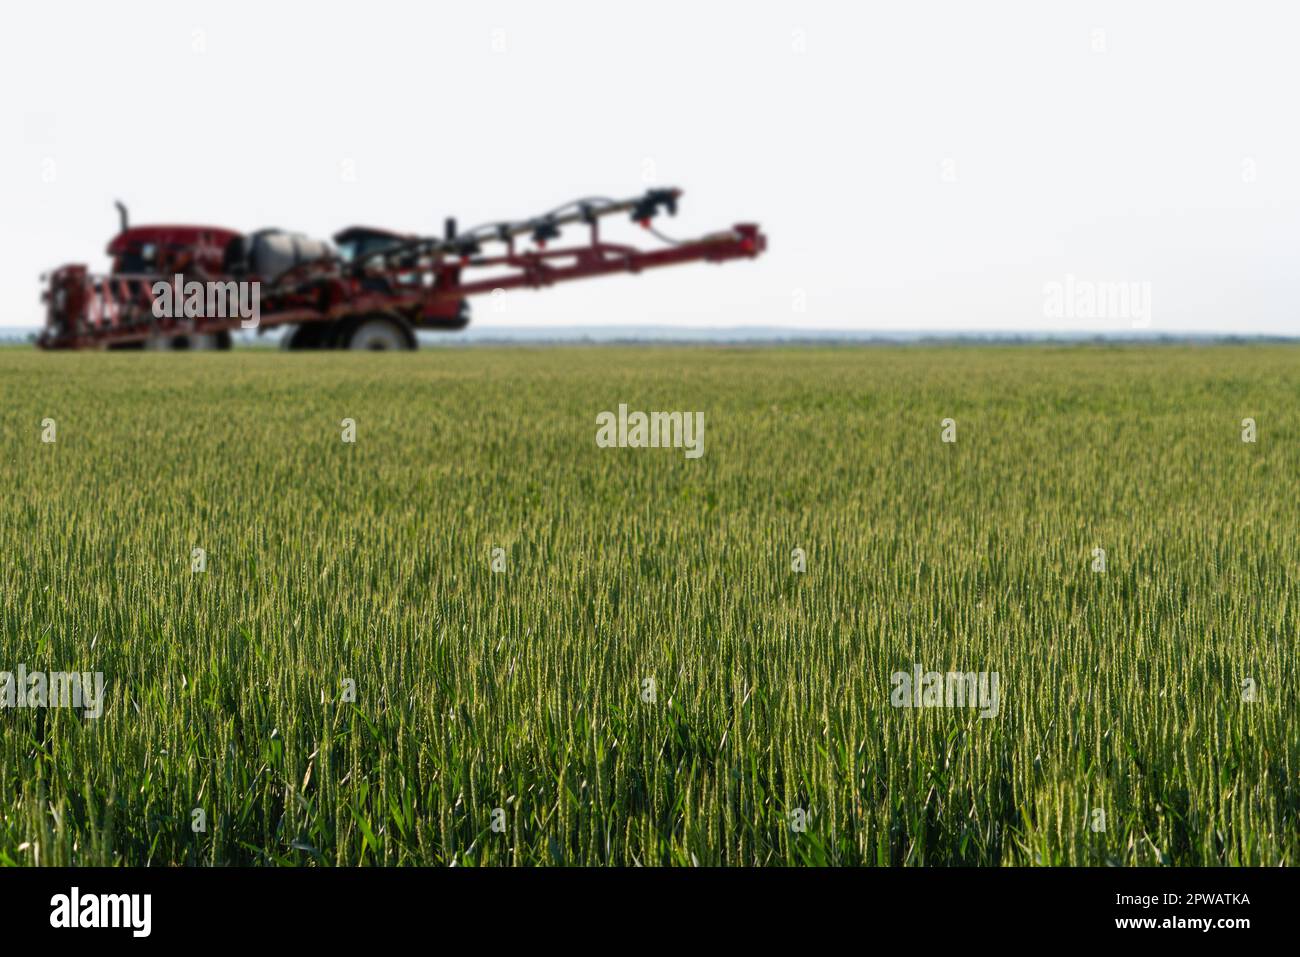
121, 213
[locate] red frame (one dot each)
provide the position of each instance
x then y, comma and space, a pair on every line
428, 295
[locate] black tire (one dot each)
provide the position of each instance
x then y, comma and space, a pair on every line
206, 341
157, 343
188, 342
378, 334
309, 335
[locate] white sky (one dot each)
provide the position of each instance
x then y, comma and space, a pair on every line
924, 166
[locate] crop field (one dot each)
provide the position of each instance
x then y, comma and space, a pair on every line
474, 636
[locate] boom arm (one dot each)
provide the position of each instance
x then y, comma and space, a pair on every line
424, 280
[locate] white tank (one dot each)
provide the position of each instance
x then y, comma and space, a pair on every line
274, 252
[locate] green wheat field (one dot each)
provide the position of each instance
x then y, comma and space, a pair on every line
349, 682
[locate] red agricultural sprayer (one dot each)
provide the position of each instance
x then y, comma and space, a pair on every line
370, 289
